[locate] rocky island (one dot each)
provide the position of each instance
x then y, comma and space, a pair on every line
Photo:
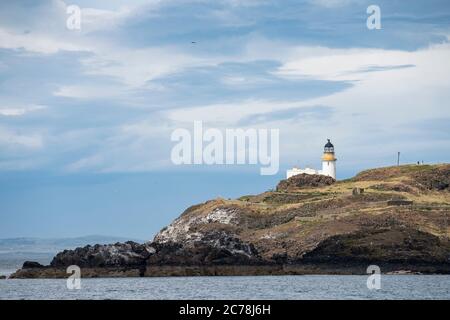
394, 217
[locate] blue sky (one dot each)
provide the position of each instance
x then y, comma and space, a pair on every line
86, 115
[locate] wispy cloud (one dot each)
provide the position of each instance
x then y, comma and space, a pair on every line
10, 138
334, 3
19, 111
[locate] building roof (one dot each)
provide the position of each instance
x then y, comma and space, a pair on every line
329, 144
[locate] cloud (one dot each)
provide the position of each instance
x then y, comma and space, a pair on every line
395, 93
135, 68
334, 3
129, 148
226, 113
370, 70
391, 89
11, 138
344, 64
89, 92
391, 92
93, 19
19, 111
37, 43
294, 115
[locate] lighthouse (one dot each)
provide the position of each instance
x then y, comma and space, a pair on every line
329, 160
328, 164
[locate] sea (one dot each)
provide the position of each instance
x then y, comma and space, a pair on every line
401, 287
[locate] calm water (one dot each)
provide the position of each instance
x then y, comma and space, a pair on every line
263, 287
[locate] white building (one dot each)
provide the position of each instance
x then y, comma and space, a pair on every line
328, 164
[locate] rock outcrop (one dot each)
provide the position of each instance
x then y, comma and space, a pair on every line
304, 181
311, 224
433, 179
31, 265
129, 254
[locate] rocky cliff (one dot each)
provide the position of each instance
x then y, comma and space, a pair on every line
310, 224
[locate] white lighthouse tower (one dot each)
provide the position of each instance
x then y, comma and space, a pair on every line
329, 161
328, 164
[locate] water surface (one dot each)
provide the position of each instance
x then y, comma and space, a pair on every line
260, 287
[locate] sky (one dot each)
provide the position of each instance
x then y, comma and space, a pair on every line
86, 115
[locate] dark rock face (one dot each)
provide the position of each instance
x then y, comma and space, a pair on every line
389, 245
304, 181
213, 249
31, 265
206, 237
128, 254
